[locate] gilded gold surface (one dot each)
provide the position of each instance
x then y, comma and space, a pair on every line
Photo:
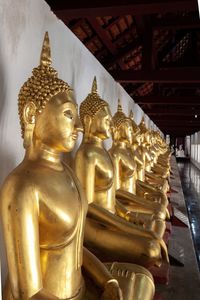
108, 235
149, 184
126, 176
43, 207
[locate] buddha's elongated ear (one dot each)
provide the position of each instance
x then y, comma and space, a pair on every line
87, 121
29, 115
115, 135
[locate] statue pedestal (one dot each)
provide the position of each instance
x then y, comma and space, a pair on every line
179, 219
170, 209
169, 227
166, 237
160, 274
157, 297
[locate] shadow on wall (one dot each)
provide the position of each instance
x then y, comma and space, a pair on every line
9, 163
6, 158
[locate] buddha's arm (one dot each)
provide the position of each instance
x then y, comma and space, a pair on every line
85, 171
126, 197
115, 160
149, 187
137, 159
127, 162
19, 213
148, 156
95, 269
101, 276
115, 222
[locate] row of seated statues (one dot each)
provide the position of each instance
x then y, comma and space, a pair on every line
100, 224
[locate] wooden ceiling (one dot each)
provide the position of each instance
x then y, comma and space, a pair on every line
151, 47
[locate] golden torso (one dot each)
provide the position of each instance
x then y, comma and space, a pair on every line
126, 168
139, 157
96, 157
51, 198
147, 157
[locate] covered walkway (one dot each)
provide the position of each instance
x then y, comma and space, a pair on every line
184, 281
190, 179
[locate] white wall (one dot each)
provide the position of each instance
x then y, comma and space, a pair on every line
195, 149
23, 24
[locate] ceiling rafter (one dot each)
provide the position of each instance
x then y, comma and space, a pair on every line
118, 7
171, 100
172, 75
171, 112
105, 39
186, 22
126, 36
123, 53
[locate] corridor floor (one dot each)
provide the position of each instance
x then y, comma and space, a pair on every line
184, 281
190, 180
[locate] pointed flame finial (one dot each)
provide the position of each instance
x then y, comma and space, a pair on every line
94, 86
45, 58
119, 107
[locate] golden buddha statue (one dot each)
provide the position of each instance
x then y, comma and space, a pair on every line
126, 174
152, 156
108, 235
159, 165
43, 207
162, 148
148, 185
143, 156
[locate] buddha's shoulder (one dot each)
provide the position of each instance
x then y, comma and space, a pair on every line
17, 192
115, 151
20, 178
88, 151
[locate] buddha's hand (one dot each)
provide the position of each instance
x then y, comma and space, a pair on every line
112, 291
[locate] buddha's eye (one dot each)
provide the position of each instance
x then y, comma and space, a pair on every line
68, 114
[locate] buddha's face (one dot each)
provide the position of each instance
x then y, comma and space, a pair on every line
101, 123
58, 124
125, 132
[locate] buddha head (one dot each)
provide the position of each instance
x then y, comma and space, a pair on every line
153, 137
136, 130
122, 126
95, 115
144, 131
47, 111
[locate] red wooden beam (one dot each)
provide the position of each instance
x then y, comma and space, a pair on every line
87, 8
105, 39
186, 22
183, 130
177, 127
181, 75
180, 86
169, 113
168, 100
123, 53
176, 124
177, 118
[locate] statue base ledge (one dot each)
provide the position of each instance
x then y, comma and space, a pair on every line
160, 274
